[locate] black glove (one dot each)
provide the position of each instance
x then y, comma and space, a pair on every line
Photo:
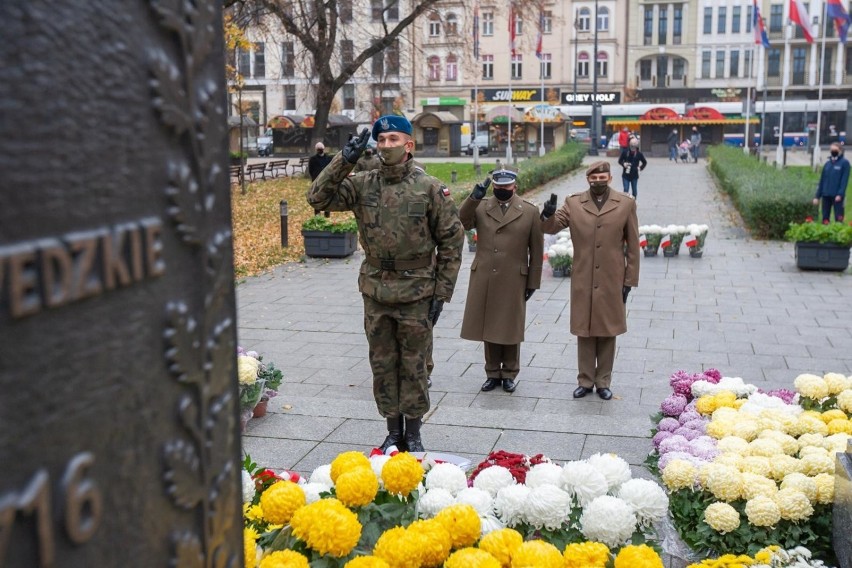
528, 293
353, 149
435, 310
549, 208
480, 189
625, 291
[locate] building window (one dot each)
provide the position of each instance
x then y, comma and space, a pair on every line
603, 19
799, 65
349, 97
345, 10
825, 72
288, 57
393, 11
289, 97
602, 64
848, 60
645, 70
583, 64
678, 68
452, 24
392, 58
547, 22
434, 24
663, 24
705, 64
545, 71
722, 20
244, 62
747, 63
517, 66
776, 17
259, 61
734, 70
662, 69
377, 8
748, 18
434, 68
773, 67
452, 68
519, 24
488, 23
649, 25
677, 24
735, 19
378, 64
720, 64
708, 20
487, 66
584, 20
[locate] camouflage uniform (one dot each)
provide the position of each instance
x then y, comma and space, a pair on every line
365, 164
403, 216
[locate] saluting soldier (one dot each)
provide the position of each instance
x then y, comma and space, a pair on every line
409, 229
605, 233
503, 276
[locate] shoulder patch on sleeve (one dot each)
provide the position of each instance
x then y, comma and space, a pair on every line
445, 190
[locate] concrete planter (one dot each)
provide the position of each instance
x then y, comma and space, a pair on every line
821, 256
325, 244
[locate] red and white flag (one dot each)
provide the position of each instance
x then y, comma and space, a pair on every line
512, 29
643, 240
666, 242
691, 240
799, 15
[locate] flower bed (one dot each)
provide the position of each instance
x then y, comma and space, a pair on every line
513, 510
745, 468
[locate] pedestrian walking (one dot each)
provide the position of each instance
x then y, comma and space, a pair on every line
412, 238
505, 273
632, 161
605, 234
695, 143
833, 180
623, 138
672, 142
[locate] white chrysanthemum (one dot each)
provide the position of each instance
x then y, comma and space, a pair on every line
543, 474
322, 474
377, 462
248, 487
479, 499
762, 511
446, 476
788, 443
583, 481
794, 505
757, 485
547, 506
432, 501
733, 384
836, 382
811, 386
733, 444
509, 504
844, 401
648, 500
811, 440
758, 402
836, 443
615, 469
312, 491
609, 520
721, 517
765, 447
815, 464
247, 369
801, 482
490, 523
493, 479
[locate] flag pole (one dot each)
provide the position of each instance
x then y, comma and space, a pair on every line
817, 158
540, 49
511, 67
779, 151
746, 144
476, 72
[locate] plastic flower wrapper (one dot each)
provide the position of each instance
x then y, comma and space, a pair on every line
609, 520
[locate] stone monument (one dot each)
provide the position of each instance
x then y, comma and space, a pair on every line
842, 509
119, 431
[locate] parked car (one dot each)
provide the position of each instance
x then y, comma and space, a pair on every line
481, 141
264, 146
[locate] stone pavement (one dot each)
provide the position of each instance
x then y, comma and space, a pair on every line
744, 308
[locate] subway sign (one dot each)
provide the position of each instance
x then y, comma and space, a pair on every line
518, 95
605, 97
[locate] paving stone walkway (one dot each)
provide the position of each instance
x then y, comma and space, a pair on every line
744, 308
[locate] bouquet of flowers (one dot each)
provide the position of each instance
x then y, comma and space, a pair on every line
471, 239
770, 557
649, 238
696, 235
560, 255
674, 234
259, 382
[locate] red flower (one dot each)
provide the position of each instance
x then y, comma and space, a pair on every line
809, 219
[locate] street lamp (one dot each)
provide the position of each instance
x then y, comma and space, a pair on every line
593, 151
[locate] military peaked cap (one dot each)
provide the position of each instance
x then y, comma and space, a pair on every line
391, 123
599, 167
503, 177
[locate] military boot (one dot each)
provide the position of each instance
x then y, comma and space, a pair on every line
395, 434
412, 435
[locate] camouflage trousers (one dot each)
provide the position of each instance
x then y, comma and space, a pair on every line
400, 340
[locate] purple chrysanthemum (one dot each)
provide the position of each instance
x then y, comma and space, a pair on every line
673, 405
704, 440
684, 387
703, 452
678, 376
660, 436
698, 425
712, 376
666, 459
668, 424
686, 433
687, 415
692, 404
784, 394
675, 443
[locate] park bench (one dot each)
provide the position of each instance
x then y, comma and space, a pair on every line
277, 167
301, 165
235, 173
258, 169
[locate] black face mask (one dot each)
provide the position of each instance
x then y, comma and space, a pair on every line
598, 187
503, 194
835, 153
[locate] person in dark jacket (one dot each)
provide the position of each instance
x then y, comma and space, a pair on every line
673, 143
318, 161
832, 184
632, 161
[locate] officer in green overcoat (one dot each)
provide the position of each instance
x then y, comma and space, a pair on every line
412, 238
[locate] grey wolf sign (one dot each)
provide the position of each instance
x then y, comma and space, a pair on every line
612, 98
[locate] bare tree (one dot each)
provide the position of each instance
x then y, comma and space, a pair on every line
316, 25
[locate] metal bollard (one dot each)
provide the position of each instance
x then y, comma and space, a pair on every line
284, 236
454, 176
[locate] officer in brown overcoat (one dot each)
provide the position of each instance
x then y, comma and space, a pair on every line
504, 274
605, 232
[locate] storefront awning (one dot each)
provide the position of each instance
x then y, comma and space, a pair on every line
500, 114
632, 122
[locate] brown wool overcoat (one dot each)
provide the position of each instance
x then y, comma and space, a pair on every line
602, 262
509, 251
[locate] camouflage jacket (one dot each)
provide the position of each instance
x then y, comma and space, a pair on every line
403, 214
366, 164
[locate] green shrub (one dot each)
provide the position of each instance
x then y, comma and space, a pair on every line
810, 232
320, 223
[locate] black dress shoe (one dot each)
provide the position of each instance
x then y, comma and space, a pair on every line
605, 394
509, 385
580, 392
490, 384
428, 382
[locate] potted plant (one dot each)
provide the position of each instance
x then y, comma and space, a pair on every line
272, 378
251, 386
238, 158
649, 239
325, 238
821, 246
560, 256
696, 235
672, 238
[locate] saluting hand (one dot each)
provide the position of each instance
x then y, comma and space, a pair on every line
355, 147
480, 189
549, 208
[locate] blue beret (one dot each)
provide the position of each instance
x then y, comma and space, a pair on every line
391, 123
503, 177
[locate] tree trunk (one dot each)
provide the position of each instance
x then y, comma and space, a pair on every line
325, 96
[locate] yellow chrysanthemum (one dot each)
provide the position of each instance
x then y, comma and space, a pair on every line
825, 488
839, 426
811, 386
537, 554
250, 547
746, 428
437, 541
252, 512
348, 461
247, 369
758, 465
801, 482
725, 413
399, 548
357, 487
762, 511
463, 524
764, 555
725, 398
586, 555
641, 556
402, 473
739, 402
366, 562
679, 474
730, 459
284, 559
327, 526
720, 428
722, 517
811, 440
733, 444
788, 443
281, 500
706, 404
764, 447
811, 425
471, 558
844, 401
794, 505
836, 383
754, 485
782, 465
814, 464
832, 414
725, 483
501, 544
